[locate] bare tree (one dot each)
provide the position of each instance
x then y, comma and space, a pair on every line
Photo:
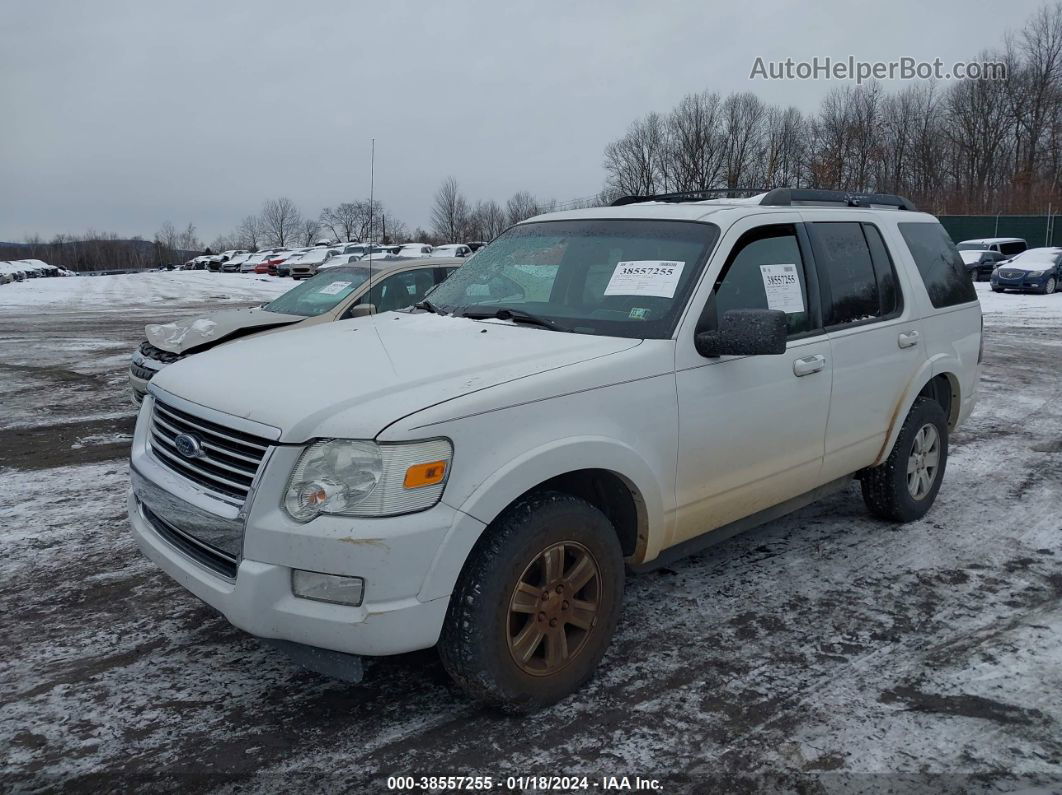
281, 221
188, 240
487, 221
743, 117
696, 142
637, 162
249, 232
344, 221
308, 231
449, 215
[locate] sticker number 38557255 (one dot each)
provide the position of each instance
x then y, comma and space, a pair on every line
782, 286
645, 277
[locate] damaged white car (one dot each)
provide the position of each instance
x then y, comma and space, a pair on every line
341, 293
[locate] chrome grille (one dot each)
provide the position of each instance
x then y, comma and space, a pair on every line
1011, 274
228, 461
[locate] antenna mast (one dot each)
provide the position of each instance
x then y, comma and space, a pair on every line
372, 185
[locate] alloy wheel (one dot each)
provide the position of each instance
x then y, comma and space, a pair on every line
924, 461
553, 608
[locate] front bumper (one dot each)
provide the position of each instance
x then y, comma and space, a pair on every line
394, 556
141, 371
1019, 283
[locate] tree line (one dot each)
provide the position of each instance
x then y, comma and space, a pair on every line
454, 219
973, 146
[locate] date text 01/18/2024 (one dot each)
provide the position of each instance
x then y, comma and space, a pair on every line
525, 783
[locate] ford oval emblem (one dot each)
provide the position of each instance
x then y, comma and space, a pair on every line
189, 446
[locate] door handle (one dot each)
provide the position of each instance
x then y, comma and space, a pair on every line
809, 365
907, 339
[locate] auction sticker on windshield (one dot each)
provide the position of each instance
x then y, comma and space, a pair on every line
645, 277
334, 287
782, 286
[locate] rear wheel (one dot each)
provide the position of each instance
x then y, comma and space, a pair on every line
904, 487
536, 605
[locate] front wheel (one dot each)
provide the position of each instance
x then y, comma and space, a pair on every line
536, 605
904, 487
1049, 286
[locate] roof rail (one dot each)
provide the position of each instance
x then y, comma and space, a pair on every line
687, 195
786, 197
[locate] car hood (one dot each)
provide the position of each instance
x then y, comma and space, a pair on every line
1026, 266
355, 377
199, 333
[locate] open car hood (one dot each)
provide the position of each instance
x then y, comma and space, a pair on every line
205, 331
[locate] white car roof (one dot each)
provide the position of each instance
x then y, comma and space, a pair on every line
719, 211
988, 241
1044, 250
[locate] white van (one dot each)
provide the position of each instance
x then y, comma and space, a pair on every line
596, 391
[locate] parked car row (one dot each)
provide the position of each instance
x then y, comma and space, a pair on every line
1033, 270
22, 269
302, 263
1009, 264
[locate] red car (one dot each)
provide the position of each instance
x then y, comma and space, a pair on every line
271, 262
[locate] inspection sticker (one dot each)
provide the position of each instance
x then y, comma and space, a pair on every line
783, 288
334, 287
645, 277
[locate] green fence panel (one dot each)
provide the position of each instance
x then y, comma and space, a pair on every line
1034, 229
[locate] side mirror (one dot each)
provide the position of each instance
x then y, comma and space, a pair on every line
745, 332
361, 310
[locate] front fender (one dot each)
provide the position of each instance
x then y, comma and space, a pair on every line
520, 475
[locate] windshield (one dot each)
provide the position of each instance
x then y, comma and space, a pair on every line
1039, 254
622, 278
317, 295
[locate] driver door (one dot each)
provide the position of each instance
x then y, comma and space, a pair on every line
751, 428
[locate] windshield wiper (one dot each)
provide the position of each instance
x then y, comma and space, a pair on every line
428, 306
516, 316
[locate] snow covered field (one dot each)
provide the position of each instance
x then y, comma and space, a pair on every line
139, 291
826, 651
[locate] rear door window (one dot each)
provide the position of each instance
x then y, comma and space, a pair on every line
939, 263
1010, 249
856, 276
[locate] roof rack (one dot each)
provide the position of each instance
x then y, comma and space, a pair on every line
780, 197
787, 197
688, 195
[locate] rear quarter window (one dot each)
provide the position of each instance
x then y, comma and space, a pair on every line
939, 264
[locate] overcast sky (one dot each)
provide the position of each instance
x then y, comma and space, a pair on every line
120, 116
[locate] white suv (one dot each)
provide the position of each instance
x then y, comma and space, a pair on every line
595, 391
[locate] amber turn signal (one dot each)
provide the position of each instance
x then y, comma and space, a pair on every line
425, 474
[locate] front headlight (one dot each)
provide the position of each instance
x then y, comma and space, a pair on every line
358, 478
1035, 274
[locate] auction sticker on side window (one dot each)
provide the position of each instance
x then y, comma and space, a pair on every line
334, 288
783, 288
645, 277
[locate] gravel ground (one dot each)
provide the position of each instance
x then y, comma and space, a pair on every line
824, 652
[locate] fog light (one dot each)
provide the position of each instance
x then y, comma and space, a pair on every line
327, 587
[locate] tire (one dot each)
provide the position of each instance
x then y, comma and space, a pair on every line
887, 489
483, 634
1049, 286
